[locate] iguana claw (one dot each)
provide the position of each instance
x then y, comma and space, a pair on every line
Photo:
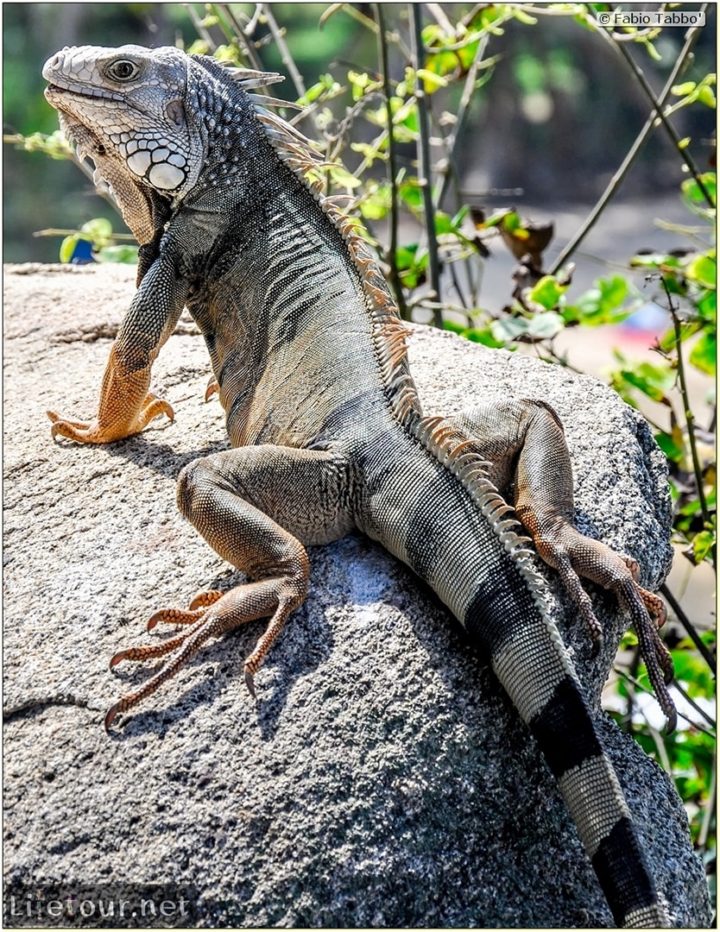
213, 388
110, 716
93, 432
250, 683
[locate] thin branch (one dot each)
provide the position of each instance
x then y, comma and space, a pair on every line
660, 745
619, 176
462, 112
691, 630
638, 685
687, 407
424, 168
244, 34
52, 231
438, 14
200, 28
392, 165
709, 809
657, 106
282, 45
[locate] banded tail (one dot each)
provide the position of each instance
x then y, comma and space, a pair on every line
550, 701
461, 537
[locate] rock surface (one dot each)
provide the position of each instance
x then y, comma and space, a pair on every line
381, 779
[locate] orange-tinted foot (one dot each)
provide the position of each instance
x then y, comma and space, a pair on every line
275, 597
93, 432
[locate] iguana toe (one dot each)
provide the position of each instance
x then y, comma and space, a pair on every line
174, 616
242, 604
205, 598
213, 388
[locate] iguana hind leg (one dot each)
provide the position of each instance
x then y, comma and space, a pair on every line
256, 506
525, 442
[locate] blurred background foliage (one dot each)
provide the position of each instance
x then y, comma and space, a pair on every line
547, 186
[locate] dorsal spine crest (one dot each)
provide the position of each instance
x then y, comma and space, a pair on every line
388, 330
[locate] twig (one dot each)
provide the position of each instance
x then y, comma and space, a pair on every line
287, 58
687, 408
338, 139
458, 289
438, 14
691, 630
392, 165
58, 232
619, 176
638, 685
462, 112
242, 37
660, 745
709, 809
657, 106
199, 28
424, 168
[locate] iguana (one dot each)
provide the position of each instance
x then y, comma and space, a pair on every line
327, 433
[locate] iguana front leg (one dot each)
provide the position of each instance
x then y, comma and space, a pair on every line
254, 506
126, 405
525, 442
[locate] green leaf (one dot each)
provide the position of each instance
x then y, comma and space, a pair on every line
529, 73
411, 193
652, 380
682, 90
703, 270
522, 17
654, 260
125, 254
99, 231
606, 303
376, 204
431, 81
326, 87
545, 326
704, 353
671, 445
706, 96
483, 335
509, 328
707, 306
693, 194
547, 292
341, 177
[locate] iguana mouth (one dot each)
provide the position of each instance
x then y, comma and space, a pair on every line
78, 91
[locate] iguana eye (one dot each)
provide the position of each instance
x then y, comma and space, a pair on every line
123, 70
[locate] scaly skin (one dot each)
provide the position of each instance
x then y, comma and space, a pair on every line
309, 361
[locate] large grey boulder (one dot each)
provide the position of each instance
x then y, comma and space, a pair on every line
381, 779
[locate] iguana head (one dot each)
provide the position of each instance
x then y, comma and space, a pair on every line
130, 105
158, 124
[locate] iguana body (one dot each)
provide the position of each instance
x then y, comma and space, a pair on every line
324, 420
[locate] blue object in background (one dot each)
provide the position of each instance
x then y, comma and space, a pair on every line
649, 318
82, 253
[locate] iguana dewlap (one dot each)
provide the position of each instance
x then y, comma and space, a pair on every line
324, 419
